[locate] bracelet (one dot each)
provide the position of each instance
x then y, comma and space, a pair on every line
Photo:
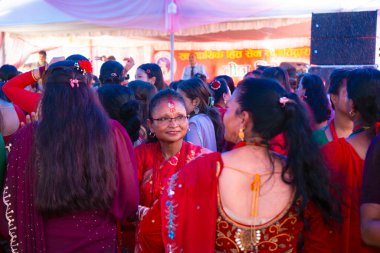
142, 210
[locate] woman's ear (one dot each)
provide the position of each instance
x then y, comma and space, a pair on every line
149, 122
196, 101
333, 98
152, 80
245, 118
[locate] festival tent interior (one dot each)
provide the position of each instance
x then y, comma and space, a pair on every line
217, 30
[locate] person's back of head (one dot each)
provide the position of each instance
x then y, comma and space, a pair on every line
278, 74
111, 72
121, 105
336, 78
336, 82
76, 57
7, 72
316, 97
76, 162
275, 111
219, 87
173, 85
363, 88
195, 88
143, 92
229, 80
201, 76
154, 70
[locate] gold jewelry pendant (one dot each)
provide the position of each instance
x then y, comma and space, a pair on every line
248, 240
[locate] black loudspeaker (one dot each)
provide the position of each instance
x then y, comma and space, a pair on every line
345, 38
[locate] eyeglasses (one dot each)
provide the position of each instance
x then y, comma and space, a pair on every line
166, 120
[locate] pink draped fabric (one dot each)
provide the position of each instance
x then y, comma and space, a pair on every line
153, 14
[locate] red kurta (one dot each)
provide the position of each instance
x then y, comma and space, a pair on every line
346, 168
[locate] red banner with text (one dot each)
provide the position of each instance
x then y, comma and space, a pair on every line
235, 63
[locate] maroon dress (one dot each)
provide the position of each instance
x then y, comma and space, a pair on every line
85, 231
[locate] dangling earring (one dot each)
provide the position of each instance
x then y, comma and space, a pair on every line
151, 134
196, 109
241, 134
352, 114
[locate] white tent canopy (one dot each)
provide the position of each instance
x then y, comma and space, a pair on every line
135, 27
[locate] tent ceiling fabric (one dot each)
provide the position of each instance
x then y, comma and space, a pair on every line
151, 14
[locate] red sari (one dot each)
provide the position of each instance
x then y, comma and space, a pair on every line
153, 171
346, 168
188, 220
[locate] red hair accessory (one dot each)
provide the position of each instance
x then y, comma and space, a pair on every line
147, 71
377, 127
84, 66
215, 85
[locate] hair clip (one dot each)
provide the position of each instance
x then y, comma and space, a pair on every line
83, 66
74, 82
285, 100
147, 71
211, 101
215, 85
113, 74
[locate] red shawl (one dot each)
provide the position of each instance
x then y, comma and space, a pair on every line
153, 169
346, 174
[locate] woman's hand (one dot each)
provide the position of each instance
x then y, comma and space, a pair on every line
129, 63
33, 117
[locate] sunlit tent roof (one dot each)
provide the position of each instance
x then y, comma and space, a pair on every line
52, 23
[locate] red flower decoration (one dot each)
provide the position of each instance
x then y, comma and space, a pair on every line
85, 66
215, 85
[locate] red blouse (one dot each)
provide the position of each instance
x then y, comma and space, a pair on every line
15, 91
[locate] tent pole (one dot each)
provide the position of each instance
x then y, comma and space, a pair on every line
171, 56
2, 40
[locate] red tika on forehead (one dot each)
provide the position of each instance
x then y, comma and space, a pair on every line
171, 104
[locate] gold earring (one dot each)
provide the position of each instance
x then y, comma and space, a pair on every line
351, 113
241, 134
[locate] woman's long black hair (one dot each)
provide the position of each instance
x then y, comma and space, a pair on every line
75, 157
304, 164
196, 88
120, 104
316, 97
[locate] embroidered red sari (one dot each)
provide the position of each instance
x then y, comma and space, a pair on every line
153, 171
188, 218
346, 168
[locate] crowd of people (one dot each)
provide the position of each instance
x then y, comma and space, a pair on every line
270, 164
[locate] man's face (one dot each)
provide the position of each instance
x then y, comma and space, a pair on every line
192, 59
42, 58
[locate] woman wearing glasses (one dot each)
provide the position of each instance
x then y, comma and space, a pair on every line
160, 159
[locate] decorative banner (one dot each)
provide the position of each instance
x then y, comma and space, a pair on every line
234, 63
